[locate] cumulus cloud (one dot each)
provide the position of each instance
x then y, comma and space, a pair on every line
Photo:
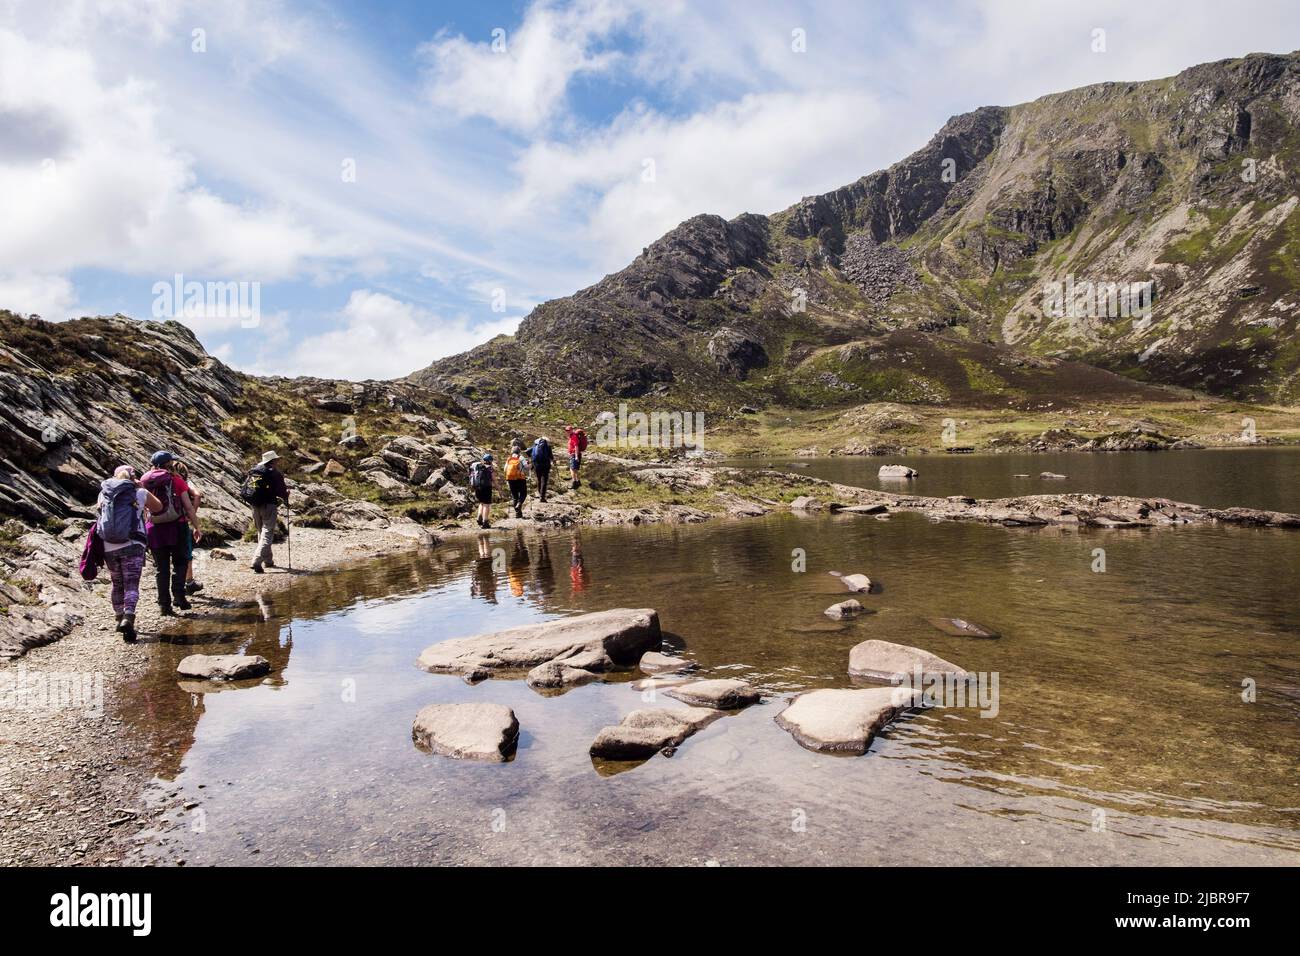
383, 337
647, 172
111, 191
50, 297
519, 79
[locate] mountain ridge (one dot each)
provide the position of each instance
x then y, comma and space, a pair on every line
1113, 183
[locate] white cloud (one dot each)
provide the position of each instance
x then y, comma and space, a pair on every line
758, 155
50, 297
111, 191
519, 79
383, 337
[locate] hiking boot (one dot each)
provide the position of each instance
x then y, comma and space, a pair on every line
519, 512
166, 610
120, 619
181, 603
193, 587
257, 568
127, 628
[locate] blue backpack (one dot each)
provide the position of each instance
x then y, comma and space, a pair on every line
542, 454
119, 514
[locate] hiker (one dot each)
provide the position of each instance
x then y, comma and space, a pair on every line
517, 477
264, 489
480, 483
542, 457
577, 445
166, 530
191, 586
122, 505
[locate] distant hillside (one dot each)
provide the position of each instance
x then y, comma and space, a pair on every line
911, 285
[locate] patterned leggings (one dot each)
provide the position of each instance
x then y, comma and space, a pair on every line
124, 568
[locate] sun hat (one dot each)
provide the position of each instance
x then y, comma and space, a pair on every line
269, 456
161, 459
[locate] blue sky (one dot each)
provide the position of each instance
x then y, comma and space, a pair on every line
133, 148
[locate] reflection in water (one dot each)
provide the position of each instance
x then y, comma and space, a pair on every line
1120, 692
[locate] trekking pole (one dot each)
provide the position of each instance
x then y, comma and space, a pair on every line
288, 533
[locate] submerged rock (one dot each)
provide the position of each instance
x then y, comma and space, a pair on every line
845, 609
843, 721
223, 666
467, 731
882, 660
661, 682
961, 628
643, 733
858, 583
653, 662
720, 694
595, 642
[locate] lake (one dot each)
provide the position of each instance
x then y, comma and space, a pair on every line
1121, 734
1215, 477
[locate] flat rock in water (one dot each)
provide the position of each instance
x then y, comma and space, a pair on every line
805, 503
467, 731
662, 682
845, 609
1052, 475
720, 694
882, 660
863, 509
858, 583
843, 721
223, 666
559, 674
593, 642
896, 471
652, 662
958, 627
643, 733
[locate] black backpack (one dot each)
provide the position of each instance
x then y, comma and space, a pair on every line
257, 488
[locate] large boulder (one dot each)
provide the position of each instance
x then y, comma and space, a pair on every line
896, 471
735, 353
467, 731
223, 666
597, 642
882, 660
843, 721
644, 733
721, 694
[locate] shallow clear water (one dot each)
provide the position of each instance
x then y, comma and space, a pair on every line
1121, 734
1215, 477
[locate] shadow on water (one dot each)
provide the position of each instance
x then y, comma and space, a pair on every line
1119, 691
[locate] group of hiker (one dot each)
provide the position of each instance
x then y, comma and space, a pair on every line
155, 514
536, 460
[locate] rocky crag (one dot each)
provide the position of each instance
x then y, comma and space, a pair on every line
928, 282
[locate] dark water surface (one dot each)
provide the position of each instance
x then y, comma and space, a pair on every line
1215, 477
1121, 734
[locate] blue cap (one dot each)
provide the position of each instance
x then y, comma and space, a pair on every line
487, 457
161, 459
